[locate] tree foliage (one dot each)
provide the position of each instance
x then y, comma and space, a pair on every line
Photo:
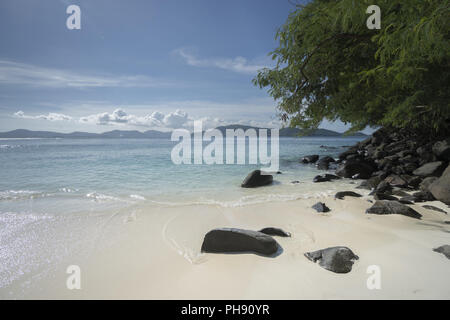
329, 65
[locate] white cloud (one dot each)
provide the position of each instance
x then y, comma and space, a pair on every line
49, 117
176, 119
30, 75
172, 120
237, 64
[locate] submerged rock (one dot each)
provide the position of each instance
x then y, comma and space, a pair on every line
342, 194
393, 207
271, 231
445, 250
256, 179
335, 259
231, 240
320, 207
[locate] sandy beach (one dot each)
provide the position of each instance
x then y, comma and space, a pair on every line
154, 253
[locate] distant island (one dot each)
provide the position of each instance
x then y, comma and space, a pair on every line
152, 134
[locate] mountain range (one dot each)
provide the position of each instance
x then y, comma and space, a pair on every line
153, 134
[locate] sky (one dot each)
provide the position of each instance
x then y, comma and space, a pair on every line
137, 64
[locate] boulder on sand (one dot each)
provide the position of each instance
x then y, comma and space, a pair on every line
335, 259
231, 240
393, 207
430, 169
320, 207
440, 188
325, 178
425, 184
342, 194
383, 196
271, 231
429, 207
354, 167
256, 179
310, 159
445, 250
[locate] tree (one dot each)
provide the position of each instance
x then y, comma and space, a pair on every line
329, 65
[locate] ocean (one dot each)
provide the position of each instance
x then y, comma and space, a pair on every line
66, 175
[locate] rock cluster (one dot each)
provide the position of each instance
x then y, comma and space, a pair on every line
400, 159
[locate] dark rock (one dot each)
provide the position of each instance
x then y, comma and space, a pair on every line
344, 155
392, 158
430, 169
434, 208
310, 159
442, 149
393, 207
445, 250
321, 207
425, 184
413, 181
354, 157
295, 182
383, 196
379, 154
380, 174
371, 183
229, 240
409, 167
342, 194
323, 163
399, 192
335, 259
441, 187
256, 179
421, 151
350, 168
384, 187
406, 200
422, 196
396, 181
275, 232
325, 177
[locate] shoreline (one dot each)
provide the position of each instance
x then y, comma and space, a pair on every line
155, 254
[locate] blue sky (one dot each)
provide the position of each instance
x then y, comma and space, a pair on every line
136, 64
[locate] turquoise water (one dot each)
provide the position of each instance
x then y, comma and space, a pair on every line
64, 175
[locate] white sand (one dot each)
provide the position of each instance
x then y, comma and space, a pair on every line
153, 253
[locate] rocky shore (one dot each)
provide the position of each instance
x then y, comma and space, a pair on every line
393, 162
400, 168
